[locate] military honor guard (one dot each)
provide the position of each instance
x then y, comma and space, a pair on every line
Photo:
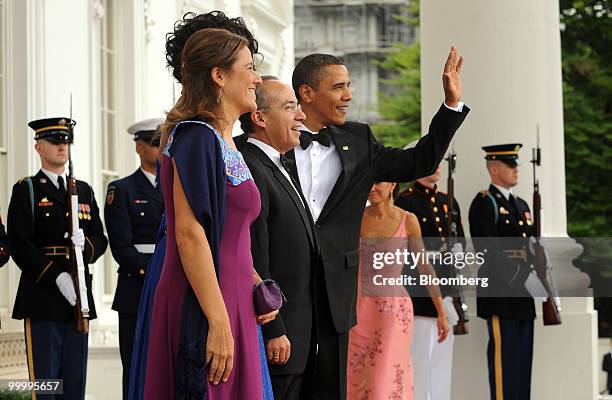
132, 213
497, 213
5, 248
432, 361
42, 243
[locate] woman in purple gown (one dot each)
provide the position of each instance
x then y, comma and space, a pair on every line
204, 339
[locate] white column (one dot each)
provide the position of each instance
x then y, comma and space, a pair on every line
512, 81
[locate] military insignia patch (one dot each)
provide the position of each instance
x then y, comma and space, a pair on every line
110, 196
45, 202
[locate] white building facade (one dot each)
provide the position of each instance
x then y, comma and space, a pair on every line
110, 55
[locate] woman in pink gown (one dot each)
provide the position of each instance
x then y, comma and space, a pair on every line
379, 356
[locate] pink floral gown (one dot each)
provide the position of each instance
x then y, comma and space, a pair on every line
379, 360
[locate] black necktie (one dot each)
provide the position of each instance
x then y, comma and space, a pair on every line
308, 137
60, 184
286, 163
514, 203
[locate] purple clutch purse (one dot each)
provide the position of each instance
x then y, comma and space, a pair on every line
267, 297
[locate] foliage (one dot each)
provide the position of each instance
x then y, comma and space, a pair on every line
401, 109
587, 98
400, 104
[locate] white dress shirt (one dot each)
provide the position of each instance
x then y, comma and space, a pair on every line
274, 155
53, 178
150, 176
319, 168
505, 192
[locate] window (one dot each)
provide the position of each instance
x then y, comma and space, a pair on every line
107, 45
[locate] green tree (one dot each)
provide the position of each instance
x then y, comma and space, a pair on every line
400, 103
401, 106
587, 104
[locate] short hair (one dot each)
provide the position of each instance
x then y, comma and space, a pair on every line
190, 24
310, 70
261, 98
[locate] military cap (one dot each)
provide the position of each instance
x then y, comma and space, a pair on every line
146, 130
54, 130
506, 153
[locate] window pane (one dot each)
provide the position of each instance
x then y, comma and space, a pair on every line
110, 133
110, 80
109, 17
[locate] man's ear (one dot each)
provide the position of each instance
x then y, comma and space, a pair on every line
258, 119
140, 149
217, 76
306, 93
38, 147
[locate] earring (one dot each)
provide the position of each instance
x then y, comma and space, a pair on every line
219, 98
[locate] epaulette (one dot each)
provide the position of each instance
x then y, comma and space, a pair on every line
484, 193
23, 179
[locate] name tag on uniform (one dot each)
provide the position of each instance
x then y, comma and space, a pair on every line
502, 210
141, 201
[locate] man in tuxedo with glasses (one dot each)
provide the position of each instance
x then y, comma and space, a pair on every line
283, 242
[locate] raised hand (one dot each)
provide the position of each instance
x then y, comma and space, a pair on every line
451, 79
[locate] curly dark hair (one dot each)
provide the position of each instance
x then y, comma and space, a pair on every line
191, 23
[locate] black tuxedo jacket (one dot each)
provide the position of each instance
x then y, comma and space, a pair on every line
132, 214
284, 249
364, 162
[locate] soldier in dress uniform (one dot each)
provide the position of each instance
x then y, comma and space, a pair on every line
38, 228
132, 214
5, 247
497, 213
432, 361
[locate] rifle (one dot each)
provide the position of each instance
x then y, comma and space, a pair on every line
550, 309
458, 301
77, 266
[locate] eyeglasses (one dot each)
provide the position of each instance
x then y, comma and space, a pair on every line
289, 107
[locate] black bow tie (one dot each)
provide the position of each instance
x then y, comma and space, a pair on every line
308, 137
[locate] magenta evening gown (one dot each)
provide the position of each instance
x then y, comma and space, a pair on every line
225, 200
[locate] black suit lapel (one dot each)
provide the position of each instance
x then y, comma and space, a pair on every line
282, 180
346, 152
48, 188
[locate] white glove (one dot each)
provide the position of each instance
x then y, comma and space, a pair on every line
451, 313
457, 248
66, 287
78, 238
536, 289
